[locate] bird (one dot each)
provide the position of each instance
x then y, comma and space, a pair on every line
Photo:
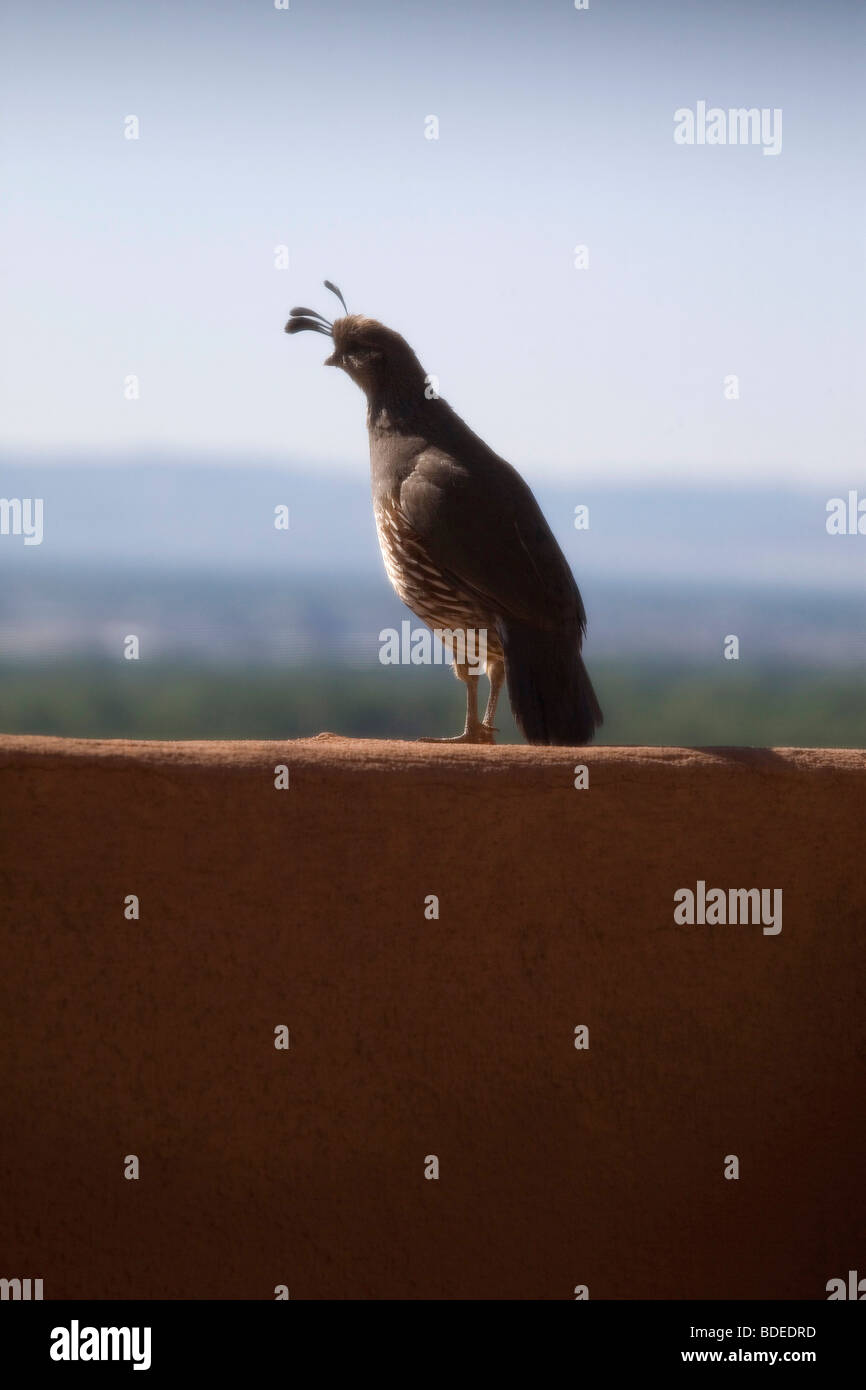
464, 542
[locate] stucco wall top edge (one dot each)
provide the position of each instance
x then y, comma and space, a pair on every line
345, 756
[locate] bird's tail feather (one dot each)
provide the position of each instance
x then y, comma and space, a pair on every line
548, 685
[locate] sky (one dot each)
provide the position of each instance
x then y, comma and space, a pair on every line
305, 128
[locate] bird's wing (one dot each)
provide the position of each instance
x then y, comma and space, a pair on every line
483, 528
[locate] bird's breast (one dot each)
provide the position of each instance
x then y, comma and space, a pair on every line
432, 595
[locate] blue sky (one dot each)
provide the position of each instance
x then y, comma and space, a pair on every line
261, 127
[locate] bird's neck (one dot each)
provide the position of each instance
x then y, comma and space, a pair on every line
398, 406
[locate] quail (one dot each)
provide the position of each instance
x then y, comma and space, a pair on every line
464, 542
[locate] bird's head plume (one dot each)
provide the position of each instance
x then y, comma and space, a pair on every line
301, 319
375, 357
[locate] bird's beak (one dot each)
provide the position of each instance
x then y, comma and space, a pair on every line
335, 359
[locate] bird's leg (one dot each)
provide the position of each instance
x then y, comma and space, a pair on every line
475, 731
496, 675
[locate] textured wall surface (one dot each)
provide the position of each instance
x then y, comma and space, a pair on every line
413, 1036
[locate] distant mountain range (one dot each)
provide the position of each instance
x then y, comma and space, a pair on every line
188, 558
175, 514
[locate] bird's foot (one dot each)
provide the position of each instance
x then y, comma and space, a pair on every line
482, 733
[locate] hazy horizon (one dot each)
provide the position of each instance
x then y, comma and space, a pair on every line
180, 515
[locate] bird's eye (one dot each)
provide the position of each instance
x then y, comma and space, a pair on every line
361, 354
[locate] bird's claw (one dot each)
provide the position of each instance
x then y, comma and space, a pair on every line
482, 733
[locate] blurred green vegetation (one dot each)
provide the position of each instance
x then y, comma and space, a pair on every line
644, 704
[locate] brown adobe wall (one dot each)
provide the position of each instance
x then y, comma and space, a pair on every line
412, 1037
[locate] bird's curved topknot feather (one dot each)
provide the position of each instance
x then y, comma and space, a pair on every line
302, 319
